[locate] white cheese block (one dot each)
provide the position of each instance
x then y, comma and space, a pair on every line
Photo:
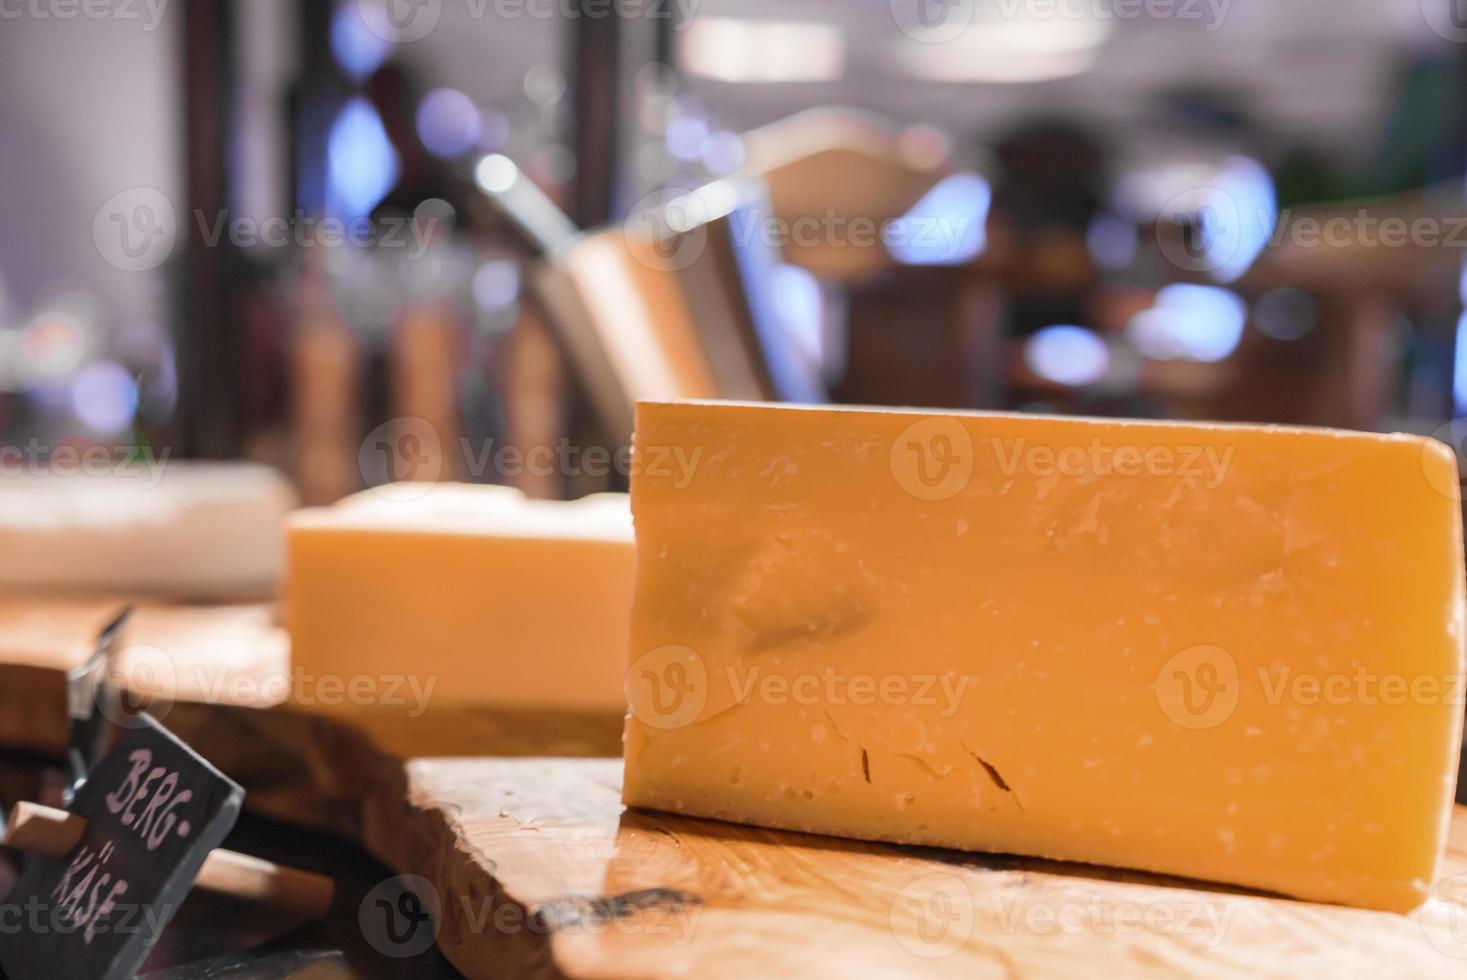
179, 530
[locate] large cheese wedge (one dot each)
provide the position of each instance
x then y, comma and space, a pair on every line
452, 594
1225, 653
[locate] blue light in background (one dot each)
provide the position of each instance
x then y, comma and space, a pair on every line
362, 166
359, 51
1245, 199
800, 304
1067, 355
449, 124
948, 226
1459, 369
105, 397
685, 137
1192, 323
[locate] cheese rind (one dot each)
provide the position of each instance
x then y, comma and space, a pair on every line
1226, 653
473, 593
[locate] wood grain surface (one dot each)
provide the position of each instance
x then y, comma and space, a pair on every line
540, 872
537, 870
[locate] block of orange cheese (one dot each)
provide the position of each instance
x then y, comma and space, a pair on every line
457, 593
1226, 653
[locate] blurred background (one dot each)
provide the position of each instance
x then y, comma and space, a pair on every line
457, 239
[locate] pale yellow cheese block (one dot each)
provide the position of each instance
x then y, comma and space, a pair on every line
461, 594
1226, 653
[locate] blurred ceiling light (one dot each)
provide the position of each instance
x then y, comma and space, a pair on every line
53, 344
358, 50
1247, 191
362, 166
1067, 355
722, 152
1213, 220
104, 397
737, 50
1112, 241
1285, 314
448, 122
496, 284
544, 84
1015, 45
948, 226
685, 136
1190, 323
496, 173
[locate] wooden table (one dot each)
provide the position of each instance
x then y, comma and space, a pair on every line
537, 870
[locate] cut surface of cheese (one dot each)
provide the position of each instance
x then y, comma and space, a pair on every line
463, 594
184, 530
1220, 652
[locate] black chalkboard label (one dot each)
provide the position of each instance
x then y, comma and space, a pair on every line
91, 705
154, 810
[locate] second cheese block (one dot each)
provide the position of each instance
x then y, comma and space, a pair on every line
1225, 653
472, 593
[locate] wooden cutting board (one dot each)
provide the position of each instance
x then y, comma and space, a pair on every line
536, 870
